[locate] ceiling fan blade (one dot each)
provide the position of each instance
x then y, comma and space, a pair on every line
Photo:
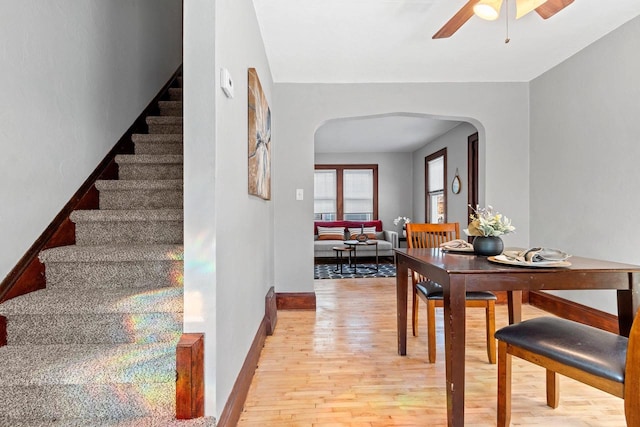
551, 7
457, 21
523, 7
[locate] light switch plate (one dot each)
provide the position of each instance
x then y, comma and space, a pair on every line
299, 194
226, 82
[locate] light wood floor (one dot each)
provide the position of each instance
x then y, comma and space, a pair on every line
338, 366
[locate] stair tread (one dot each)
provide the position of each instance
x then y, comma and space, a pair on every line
164, 120
113, 253
158, 137
88, 404
149, 158
92, 301
59, 364
139, 184
170, 102
162, 214
156, 421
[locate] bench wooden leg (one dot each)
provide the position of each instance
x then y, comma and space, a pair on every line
490, 313
553, 389
504, 385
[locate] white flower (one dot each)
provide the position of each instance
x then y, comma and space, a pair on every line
402, 219
484, 222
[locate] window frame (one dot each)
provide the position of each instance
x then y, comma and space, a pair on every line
427, 194
340, 168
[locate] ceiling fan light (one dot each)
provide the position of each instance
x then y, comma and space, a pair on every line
488, 9
525, 6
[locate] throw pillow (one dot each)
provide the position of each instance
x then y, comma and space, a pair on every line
330, 233
369, 231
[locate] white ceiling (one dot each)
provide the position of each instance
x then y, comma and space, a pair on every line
358, 41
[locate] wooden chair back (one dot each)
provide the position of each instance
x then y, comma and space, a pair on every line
420, 235
431, 235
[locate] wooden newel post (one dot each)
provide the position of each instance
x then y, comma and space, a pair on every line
190, 376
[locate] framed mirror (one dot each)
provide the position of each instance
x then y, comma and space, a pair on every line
456, 186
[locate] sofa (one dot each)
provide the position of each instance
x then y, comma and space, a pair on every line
328, 234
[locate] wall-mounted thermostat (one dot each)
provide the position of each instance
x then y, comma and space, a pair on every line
226, 83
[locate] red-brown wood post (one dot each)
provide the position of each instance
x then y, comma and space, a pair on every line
190, 376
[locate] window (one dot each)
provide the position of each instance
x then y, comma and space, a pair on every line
346, 192
436, 195
325, 206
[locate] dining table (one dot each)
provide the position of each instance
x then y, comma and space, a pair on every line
459, 273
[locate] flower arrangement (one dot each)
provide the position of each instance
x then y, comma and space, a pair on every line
402, 220
485, 222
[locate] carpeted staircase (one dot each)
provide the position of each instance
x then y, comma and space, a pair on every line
97, 346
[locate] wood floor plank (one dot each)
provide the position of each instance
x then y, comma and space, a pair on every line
338, 366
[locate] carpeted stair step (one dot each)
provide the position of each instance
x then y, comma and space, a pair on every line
170, 108
102, 328
98, 316
164, 124
156, 226
113, 266
106, 422
158, 143
81, 381
135, 194
175, 93
149, 166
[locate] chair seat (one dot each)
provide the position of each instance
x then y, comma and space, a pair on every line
433, 290
592, 350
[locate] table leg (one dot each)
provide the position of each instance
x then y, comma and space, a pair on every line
338, 261
628, 303
402, 273
514, 300
454, 337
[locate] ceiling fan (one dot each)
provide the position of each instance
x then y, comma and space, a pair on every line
490, 9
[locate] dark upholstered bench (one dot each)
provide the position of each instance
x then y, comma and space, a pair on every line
587, 354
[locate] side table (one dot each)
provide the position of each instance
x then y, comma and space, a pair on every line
340, 250
354, 244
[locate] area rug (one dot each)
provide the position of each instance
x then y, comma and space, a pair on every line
327, 271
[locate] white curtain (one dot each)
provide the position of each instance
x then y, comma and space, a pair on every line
324, 192
358, 191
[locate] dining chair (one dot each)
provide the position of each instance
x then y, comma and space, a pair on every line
431, 236
598, 358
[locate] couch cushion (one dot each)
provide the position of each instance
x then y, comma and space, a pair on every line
330, 233
369, 231
357, 224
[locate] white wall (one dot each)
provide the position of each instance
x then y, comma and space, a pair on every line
585, 178
199, 109
76, 75
394, 182
229, 255
500, 112
456, 142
